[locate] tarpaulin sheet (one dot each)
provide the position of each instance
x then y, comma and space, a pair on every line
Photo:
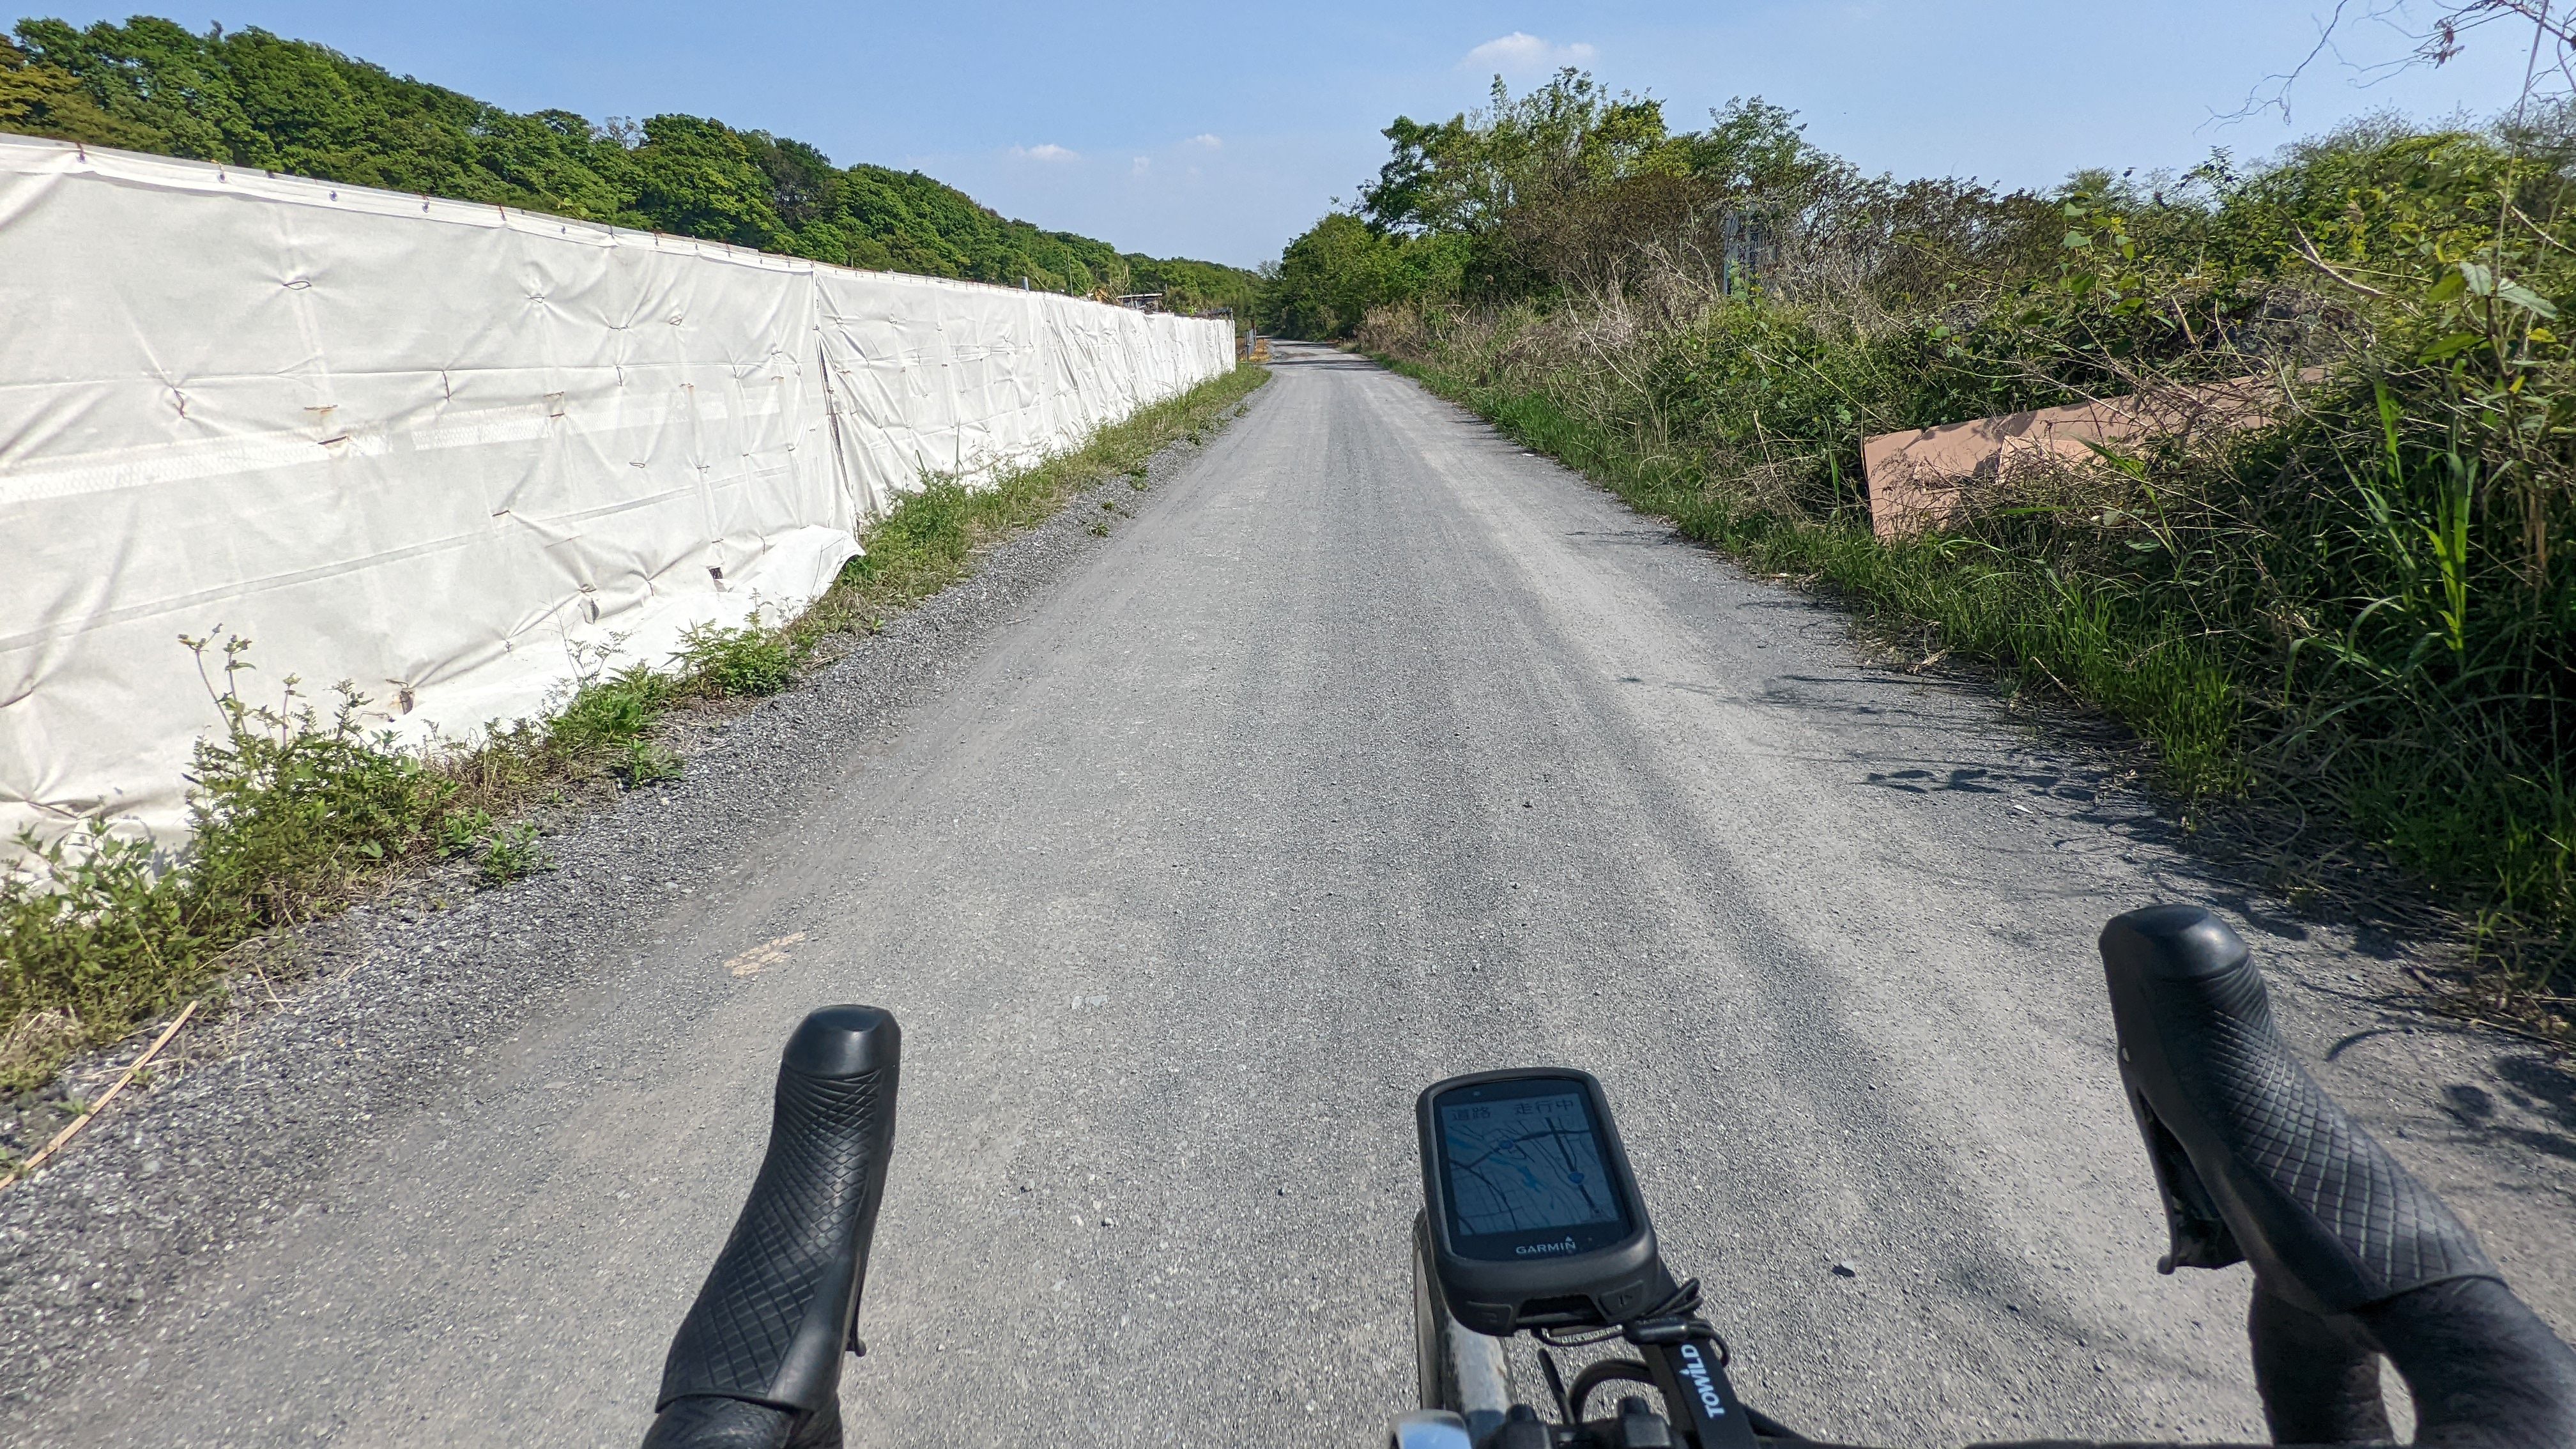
444, 450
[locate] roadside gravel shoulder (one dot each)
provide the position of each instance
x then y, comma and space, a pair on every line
352, 1026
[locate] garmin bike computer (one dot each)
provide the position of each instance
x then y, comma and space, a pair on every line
1534, 1216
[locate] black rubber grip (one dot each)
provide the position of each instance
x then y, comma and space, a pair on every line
777, 1310
2483, 1370
711, 1423
2268, 1166
2319, 1376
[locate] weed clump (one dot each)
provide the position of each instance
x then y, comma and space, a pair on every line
751, 661
291, 808
605, 712
646, 763
291, 811
511, 853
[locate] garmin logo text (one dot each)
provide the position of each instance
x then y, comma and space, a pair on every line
1695, 1369
1529, 1249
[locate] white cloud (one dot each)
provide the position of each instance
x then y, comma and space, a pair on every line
1047, 152
1208, 140
1143, 165
1521, 52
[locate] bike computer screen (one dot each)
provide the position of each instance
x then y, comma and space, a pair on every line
1532, 1215
1525, 1171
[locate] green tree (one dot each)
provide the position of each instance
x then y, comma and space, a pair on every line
697, 178
250, 98
1328, 279
1468, 173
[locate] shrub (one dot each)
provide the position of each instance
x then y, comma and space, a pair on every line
604, 712
721, 663
289, 810
646, 763
512, 853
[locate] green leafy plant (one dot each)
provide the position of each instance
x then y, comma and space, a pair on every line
511, 854
292, 810
750, 660
646, 763
460, 831
610, 711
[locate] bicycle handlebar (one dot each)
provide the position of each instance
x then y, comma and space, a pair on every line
2352, 1255
757, 1362
2270, 1169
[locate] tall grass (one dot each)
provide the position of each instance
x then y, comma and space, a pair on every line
2313, 622
1957, 596
2359, 619
297, 810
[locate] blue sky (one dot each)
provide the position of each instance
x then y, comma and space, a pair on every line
1221, 130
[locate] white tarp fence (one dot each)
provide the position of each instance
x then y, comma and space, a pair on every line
437, 448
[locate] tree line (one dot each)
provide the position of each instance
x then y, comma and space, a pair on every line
253, 99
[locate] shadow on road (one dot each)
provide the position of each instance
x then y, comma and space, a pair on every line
1315, 355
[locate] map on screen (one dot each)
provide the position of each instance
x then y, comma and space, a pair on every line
1525, 1164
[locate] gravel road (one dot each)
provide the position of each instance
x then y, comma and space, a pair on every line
1372, 749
